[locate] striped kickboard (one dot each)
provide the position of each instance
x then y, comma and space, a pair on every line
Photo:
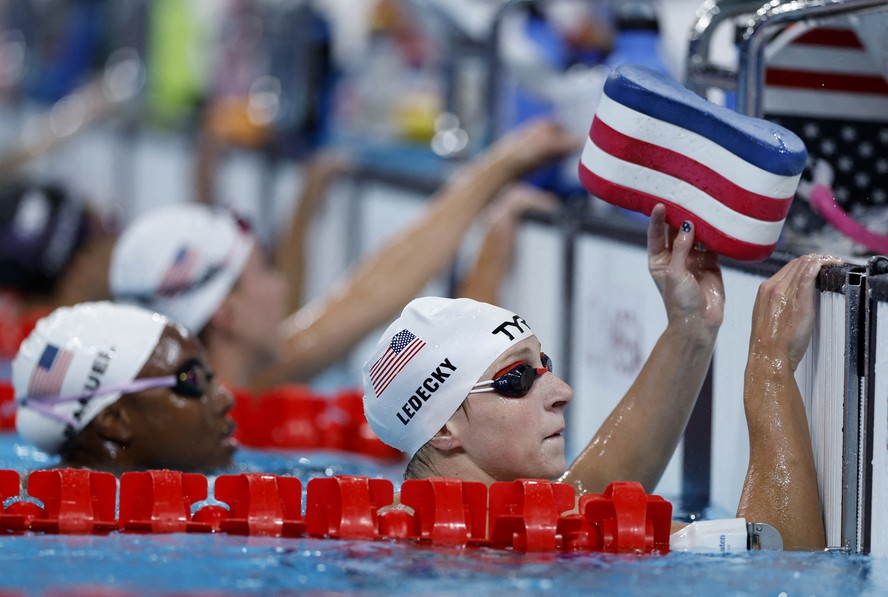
653, 141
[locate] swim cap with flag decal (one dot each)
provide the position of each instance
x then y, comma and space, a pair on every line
428, 360
75, 349
181, 260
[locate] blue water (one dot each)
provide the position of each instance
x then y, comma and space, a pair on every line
123, 564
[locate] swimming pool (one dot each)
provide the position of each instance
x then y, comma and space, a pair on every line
222, 564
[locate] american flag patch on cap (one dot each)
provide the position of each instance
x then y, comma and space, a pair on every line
403, 347
49, 374
653, 141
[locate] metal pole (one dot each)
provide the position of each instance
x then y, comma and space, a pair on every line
770, 17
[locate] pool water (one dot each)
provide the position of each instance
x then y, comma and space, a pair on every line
123, 564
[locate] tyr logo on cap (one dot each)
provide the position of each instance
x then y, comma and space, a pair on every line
503, 328
404, 346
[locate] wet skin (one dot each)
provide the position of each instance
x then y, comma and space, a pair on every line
511, 438
166, 430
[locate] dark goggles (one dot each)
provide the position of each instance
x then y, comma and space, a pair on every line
191, 380
515, 380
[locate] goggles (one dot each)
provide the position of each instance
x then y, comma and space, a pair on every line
191, 380
515, 380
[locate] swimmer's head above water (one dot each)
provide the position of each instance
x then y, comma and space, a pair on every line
180, 260
464, 387
117, 387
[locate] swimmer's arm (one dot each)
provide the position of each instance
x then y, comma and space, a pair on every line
290, 249
781, 482
378, 288
493, 262
637, 440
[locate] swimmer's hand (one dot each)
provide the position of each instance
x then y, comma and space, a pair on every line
783, 315
533, 144
689, 278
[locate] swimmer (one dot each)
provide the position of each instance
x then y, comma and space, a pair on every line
444, 382
116, 387
203, 269
467, 391
54, 249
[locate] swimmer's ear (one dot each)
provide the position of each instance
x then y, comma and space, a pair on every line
445, 440
114, 423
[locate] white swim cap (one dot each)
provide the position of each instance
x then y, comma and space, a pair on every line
75, 349
181, 260
427, 361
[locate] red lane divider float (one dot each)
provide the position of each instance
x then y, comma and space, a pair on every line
159, 501
447, 511
261, 504
524, 515
74, 502
298, 417
345, 507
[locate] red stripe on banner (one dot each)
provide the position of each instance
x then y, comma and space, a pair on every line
689, 170
405, 357
820, 81
713, 238
835, 38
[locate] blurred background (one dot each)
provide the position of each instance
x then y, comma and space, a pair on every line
131, 104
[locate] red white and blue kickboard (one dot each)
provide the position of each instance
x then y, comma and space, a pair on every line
733, 176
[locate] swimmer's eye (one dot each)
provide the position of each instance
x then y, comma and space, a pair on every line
192, 379
515, 380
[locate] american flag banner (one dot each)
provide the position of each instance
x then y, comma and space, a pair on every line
180, 270
401, 350
826, 86
653, 141
49, 374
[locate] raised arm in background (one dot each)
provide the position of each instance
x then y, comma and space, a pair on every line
379, 286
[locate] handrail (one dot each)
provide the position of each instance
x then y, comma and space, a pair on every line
700, 73
492, 56
765, 22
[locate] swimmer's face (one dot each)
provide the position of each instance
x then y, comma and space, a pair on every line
180, 432
514, 438
258, 302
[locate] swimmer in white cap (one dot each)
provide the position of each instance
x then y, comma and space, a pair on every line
116, 387
467, 391
205, 271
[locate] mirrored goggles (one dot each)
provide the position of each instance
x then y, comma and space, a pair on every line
191, 380
515, 380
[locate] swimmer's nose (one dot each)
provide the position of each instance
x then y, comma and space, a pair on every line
223, 400
560, 394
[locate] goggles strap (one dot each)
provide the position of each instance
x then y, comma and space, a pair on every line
137, 385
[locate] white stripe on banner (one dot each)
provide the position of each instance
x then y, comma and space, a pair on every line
703, 205
697, 147
825, 104
813, 58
